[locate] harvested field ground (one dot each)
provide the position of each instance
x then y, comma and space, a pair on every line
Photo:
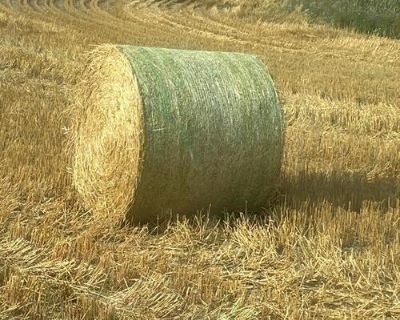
328, 248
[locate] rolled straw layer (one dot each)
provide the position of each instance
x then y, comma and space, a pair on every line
162, 131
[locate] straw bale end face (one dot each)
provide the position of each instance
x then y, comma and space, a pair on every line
160, 131
108, 133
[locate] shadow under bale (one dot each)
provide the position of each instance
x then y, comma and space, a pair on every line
341, 189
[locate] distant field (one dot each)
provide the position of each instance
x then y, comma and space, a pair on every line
379, 17
329, 247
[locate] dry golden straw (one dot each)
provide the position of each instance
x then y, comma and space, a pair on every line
162, 131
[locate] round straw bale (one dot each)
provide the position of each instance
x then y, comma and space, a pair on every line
162, 131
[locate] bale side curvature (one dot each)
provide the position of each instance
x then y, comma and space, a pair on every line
162, 130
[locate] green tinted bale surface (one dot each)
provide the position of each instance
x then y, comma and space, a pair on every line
196, 130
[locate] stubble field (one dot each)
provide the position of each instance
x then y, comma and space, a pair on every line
329, 247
